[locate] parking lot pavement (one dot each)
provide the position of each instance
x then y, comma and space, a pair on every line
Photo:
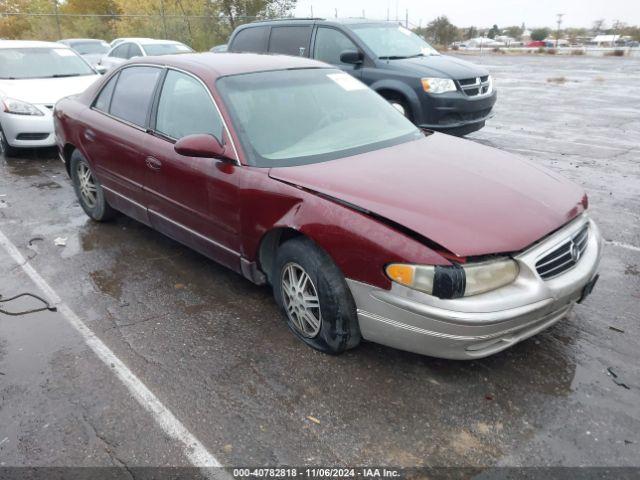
214, 350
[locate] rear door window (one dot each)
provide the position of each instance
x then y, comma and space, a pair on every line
293, 40
104, 99
330, 43
133, 94
253, 39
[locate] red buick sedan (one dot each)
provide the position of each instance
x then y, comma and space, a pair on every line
295, 174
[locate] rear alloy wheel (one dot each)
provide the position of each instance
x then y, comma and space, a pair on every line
314, 296
88, 189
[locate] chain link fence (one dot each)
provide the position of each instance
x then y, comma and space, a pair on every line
198, 31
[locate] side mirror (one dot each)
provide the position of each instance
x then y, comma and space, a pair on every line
101, 69
201, 145
352, 57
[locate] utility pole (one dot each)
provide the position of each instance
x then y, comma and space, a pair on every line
164, 20
387, 14
312, 12
336, 13
397, 11
559, 21
616, 24
55, 6
406, 18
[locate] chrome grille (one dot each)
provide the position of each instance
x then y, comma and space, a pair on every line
564, 257
476, 86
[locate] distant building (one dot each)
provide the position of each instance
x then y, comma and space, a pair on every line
484, 42
604, 40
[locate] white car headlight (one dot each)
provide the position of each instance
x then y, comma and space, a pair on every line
455, 281
18, 107
438, 85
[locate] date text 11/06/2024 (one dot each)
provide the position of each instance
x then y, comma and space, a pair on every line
315, 472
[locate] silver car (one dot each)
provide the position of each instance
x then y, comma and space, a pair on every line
91, 49
33, 77
141, 47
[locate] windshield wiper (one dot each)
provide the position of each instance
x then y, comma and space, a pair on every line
64, 75
393, 57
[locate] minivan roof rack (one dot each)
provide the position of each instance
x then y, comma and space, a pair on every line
286, 19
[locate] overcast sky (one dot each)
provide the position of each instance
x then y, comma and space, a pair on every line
482, 13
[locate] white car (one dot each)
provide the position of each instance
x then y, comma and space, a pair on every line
33, 77
141, 47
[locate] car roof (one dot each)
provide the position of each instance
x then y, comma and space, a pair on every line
323, 21
97, 40
30, 44
156, 41
215, 65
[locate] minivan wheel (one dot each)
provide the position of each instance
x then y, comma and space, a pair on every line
401, 106
6, 149
88, 190
314, 297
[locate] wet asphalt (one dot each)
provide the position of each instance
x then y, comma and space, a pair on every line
215, 350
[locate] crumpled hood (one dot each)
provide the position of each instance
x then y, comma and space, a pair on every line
440, 66
469, 198
45, 91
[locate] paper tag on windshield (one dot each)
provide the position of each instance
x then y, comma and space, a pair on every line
346, 81
64, 52
182, 48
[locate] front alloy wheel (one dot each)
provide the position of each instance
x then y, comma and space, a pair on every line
301, 300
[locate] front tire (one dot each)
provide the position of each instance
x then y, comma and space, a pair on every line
314, 296
88, 189
6, 149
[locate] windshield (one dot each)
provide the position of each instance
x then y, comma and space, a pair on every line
393, 41
295, 117
165, 48
88, 48
20, 63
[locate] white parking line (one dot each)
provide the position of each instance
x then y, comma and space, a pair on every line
628, 246
193, 449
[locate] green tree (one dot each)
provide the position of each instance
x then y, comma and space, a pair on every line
514, 32
539, 34
493, 31
441, 31
238, 12
99, 26
470, 32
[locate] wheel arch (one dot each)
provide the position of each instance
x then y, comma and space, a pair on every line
269, 245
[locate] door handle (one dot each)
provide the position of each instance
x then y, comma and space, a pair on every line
90, 135
153, 163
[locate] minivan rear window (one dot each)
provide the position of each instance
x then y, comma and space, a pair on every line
290, 40
252, 39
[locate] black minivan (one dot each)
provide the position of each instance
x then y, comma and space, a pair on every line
434, 91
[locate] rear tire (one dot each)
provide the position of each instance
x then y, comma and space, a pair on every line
6, 149
88, 189
314, 297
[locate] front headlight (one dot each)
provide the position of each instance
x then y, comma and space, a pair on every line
438, 85
455, 281
18, 107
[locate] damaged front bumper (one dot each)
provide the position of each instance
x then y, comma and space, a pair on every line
481, 325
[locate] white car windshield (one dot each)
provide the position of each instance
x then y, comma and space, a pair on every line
296, 117
165, 48
389, 41
22, 63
